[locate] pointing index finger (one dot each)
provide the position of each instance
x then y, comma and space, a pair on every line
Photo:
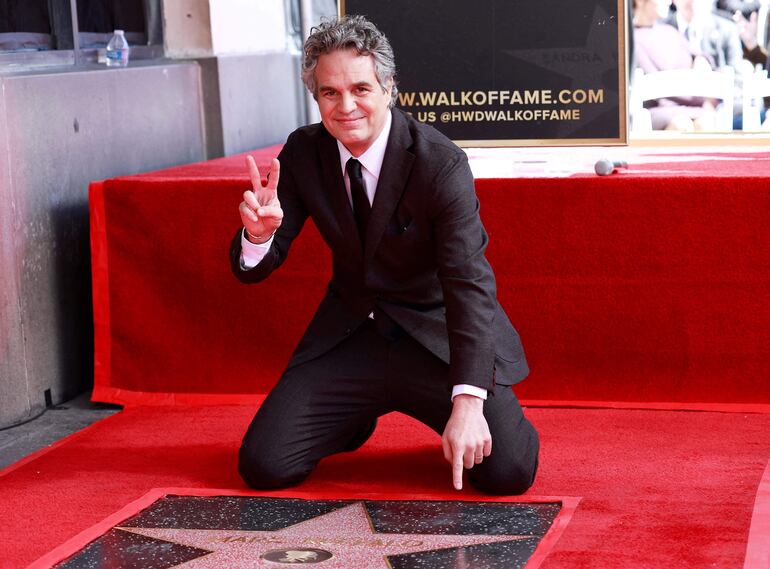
457, 470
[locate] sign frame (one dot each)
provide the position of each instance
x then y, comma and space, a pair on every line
622, 122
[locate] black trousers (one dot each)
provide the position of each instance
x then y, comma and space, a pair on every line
319, 407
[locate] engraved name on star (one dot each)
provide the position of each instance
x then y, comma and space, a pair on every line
347, 534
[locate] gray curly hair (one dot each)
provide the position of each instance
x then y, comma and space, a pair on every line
350, 32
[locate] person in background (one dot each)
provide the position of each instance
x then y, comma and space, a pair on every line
747, 30
716, 37
755, 54
729, 7
709, 33
658, 47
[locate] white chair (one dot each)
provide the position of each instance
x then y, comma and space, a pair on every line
682, 83
756, 86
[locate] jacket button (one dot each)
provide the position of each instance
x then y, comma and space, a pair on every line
347, 331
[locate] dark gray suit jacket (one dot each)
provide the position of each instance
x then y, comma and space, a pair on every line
424, 263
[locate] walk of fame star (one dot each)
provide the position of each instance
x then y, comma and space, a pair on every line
210, 528
344, 538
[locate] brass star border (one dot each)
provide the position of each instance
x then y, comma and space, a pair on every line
194, 528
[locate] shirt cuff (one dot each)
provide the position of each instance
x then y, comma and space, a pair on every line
465, 389
253, 253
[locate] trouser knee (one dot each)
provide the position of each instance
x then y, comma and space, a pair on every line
513, 482
510, 475
262, 471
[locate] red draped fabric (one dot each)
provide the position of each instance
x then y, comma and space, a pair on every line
649, 287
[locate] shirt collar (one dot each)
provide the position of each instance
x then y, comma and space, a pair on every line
372, 159
683, 24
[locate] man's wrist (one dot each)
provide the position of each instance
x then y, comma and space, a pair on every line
253, 253
256, 239
465, 403
464, 388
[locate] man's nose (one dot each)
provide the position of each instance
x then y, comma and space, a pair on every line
347, 103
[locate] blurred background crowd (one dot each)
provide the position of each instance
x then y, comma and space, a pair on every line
692, 39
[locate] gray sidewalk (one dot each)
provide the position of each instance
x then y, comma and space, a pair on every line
56, 423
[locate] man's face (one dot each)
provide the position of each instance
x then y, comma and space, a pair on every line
661, 8
692, 9
649, 10
352, 103
702, 8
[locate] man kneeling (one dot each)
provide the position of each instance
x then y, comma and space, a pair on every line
411, 321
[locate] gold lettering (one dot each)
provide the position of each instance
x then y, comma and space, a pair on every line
406, 99
428, 99
579, 96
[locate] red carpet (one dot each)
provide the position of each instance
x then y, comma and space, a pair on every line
643, 289
658, 488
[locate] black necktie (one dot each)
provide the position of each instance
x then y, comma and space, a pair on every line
361, 206
361, 209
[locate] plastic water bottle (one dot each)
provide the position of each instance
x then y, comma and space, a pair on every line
117, 50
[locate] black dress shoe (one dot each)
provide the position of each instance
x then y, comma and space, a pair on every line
361, 437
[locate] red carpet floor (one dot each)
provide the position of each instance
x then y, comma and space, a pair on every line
657, 488
647, 288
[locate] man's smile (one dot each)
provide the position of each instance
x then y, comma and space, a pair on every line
349, 122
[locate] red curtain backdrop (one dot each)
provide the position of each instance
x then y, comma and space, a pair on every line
647, 287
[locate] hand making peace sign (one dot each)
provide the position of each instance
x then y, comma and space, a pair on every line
260, 209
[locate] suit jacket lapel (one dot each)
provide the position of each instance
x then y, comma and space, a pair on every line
334, 186
393, 176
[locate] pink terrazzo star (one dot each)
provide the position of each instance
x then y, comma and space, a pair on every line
347, 534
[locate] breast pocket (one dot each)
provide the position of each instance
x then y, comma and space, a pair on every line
411, 232
400, 223
407, 245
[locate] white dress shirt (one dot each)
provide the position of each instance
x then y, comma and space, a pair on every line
692, 32
371, 164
